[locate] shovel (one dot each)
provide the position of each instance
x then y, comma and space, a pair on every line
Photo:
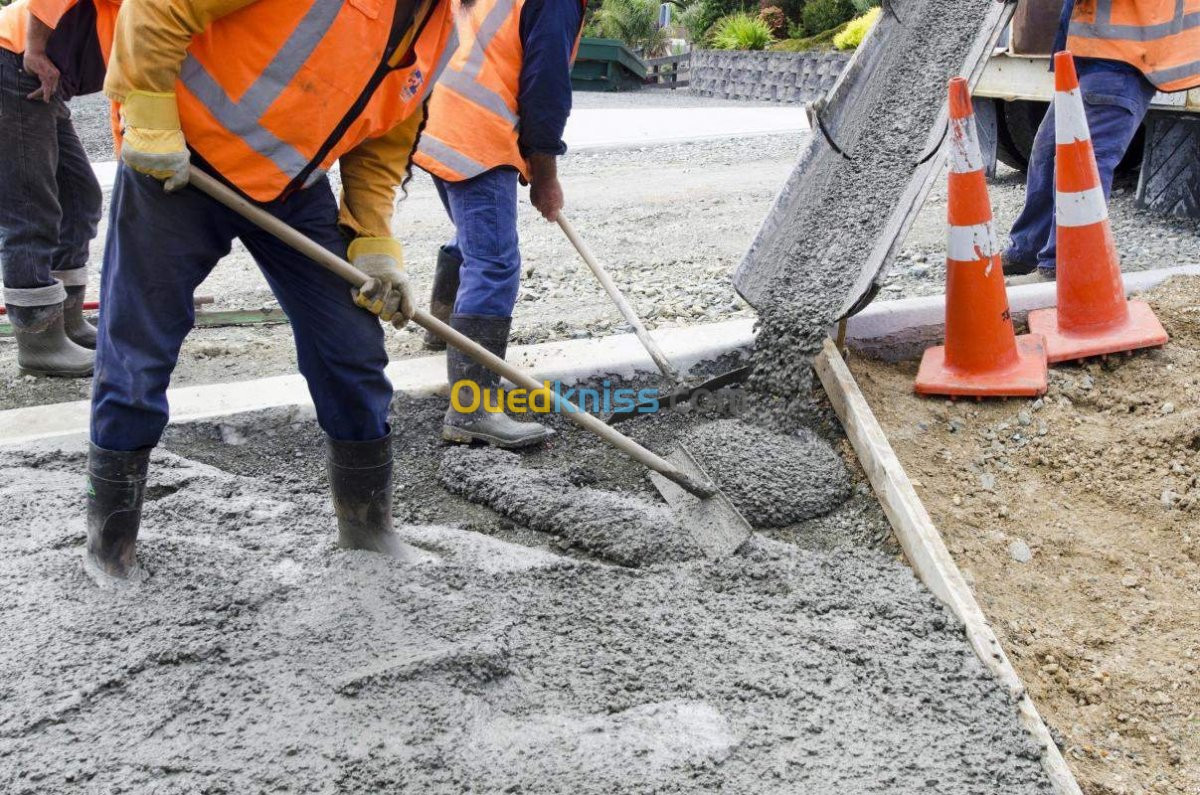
713, 521
682, 393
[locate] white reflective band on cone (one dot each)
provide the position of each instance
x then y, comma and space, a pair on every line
965, 154
971, 243
1084, 208
1070, 120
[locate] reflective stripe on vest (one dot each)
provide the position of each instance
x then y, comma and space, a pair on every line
1159, 37
266, 115
242, 117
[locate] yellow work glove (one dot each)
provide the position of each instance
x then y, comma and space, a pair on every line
387, 293
152, 140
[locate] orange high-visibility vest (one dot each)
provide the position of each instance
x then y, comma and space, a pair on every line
101, 14
273, 94
473, 114
1159, 37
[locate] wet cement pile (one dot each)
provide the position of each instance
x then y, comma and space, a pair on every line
257, 657
623, 529
775, 480
834, 218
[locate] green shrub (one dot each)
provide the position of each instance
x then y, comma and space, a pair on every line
822, 15
741, 32
856, 31
822, 41
634, 22
776, 21
863, 6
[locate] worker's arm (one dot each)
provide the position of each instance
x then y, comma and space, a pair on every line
37, 62
548, 32
371, 172
151, 42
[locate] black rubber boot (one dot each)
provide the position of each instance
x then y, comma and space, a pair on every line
116, 488
43, 347
445, 291
360, 478
494, 428
1012, 267
79, 330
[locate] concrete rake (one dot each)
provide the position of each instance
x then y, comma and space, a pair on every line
717, 526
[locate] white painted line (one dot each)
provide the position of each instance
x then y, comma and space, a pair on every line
569, 361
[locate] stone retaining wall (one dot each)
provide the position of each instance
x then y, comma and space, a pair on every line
765, 76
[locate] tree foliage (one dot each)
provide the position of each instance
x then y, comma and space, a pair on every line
634, 22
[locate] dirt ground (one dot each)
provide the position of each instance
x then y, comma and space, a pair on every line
1077, 520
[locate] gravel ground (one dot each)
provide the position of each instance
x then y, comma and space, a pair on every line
670, 221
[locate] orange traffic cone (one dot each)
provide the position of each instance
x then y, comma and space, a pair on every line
982, 356
1092, 317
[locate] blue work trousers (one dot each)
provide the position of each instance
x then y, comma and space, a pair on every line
484, 212
161, 246
1116, 101
51, 201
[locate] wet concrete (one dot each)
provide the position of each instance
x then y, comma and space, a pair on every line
833, 220
624, 529
258, 657
775, 480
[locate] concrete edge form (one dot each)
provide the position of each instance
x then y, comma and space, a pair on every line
568, 362
926, 551
902, 329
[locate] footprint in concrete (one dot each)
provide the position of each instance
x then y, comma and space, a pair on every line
775, 480
615, 527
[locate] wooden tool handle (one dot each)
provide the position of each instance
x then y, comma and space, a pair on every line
352, 275
618, 298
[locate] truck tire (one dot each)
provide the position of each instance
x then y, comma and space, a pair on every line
1170, 179
1018, 124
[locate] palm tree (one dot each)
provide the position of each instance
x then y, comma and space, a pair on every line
634, 22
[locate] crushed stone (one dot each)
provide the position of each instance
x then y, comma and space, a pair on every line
775, 480
258, 657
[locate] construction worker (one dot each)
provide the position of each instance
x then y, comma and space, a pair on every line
1125, 52
266, 95
496, 117
50, 51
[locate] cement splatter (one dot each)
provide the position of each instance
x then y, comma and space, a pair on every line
822, 231
775, 480
257, 657
615, 527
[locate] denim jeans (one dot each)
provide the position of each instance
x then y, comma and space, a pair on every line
484, 213
51, 200
1115, 101
161, 246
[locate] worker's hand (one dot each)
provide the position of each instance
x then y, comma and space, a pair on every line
152, 140
544, 189
40, 66
387, 293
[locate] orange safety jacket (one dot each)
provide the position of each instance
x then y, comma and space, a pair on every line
1159, 37
473, 114
273, 94
80, 45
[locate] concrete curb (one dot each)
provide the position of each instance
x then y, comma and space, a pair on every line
890, 330
568, 362
899, 330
